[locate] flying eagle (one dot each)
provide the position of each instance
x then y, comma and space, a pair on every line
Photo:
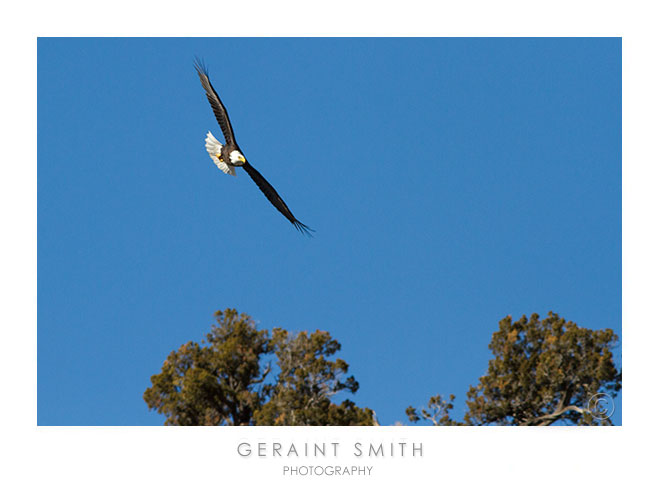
229, 156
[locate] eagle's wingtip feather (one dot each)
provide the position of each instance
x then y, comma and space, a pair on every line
199, 65
304, 230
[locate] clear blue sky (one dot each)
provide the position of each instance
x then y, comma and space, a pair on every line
451, 182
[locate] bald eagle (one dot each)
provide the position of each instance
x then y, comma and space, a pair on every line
228, 156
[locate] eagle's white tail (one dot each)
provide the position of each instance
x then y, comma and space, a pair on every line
214, 148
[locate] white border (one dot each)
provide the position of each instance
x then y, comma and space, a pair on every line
176, 456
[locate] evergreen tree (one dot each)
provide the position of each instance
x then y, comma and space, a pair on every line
543, 372
225, 379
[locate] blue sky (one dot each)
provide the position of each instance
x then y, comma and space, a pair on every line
451, 182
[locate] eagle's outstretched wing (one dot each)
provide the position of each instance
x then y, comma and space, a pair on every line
275, 199
216, 104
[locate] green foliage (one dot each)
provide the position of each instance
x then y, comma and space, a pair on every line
223, 381
218, 383
543, 372
438, 412
307, 381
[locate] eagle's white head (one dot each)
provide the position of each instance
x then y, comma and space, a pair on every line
236, 158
